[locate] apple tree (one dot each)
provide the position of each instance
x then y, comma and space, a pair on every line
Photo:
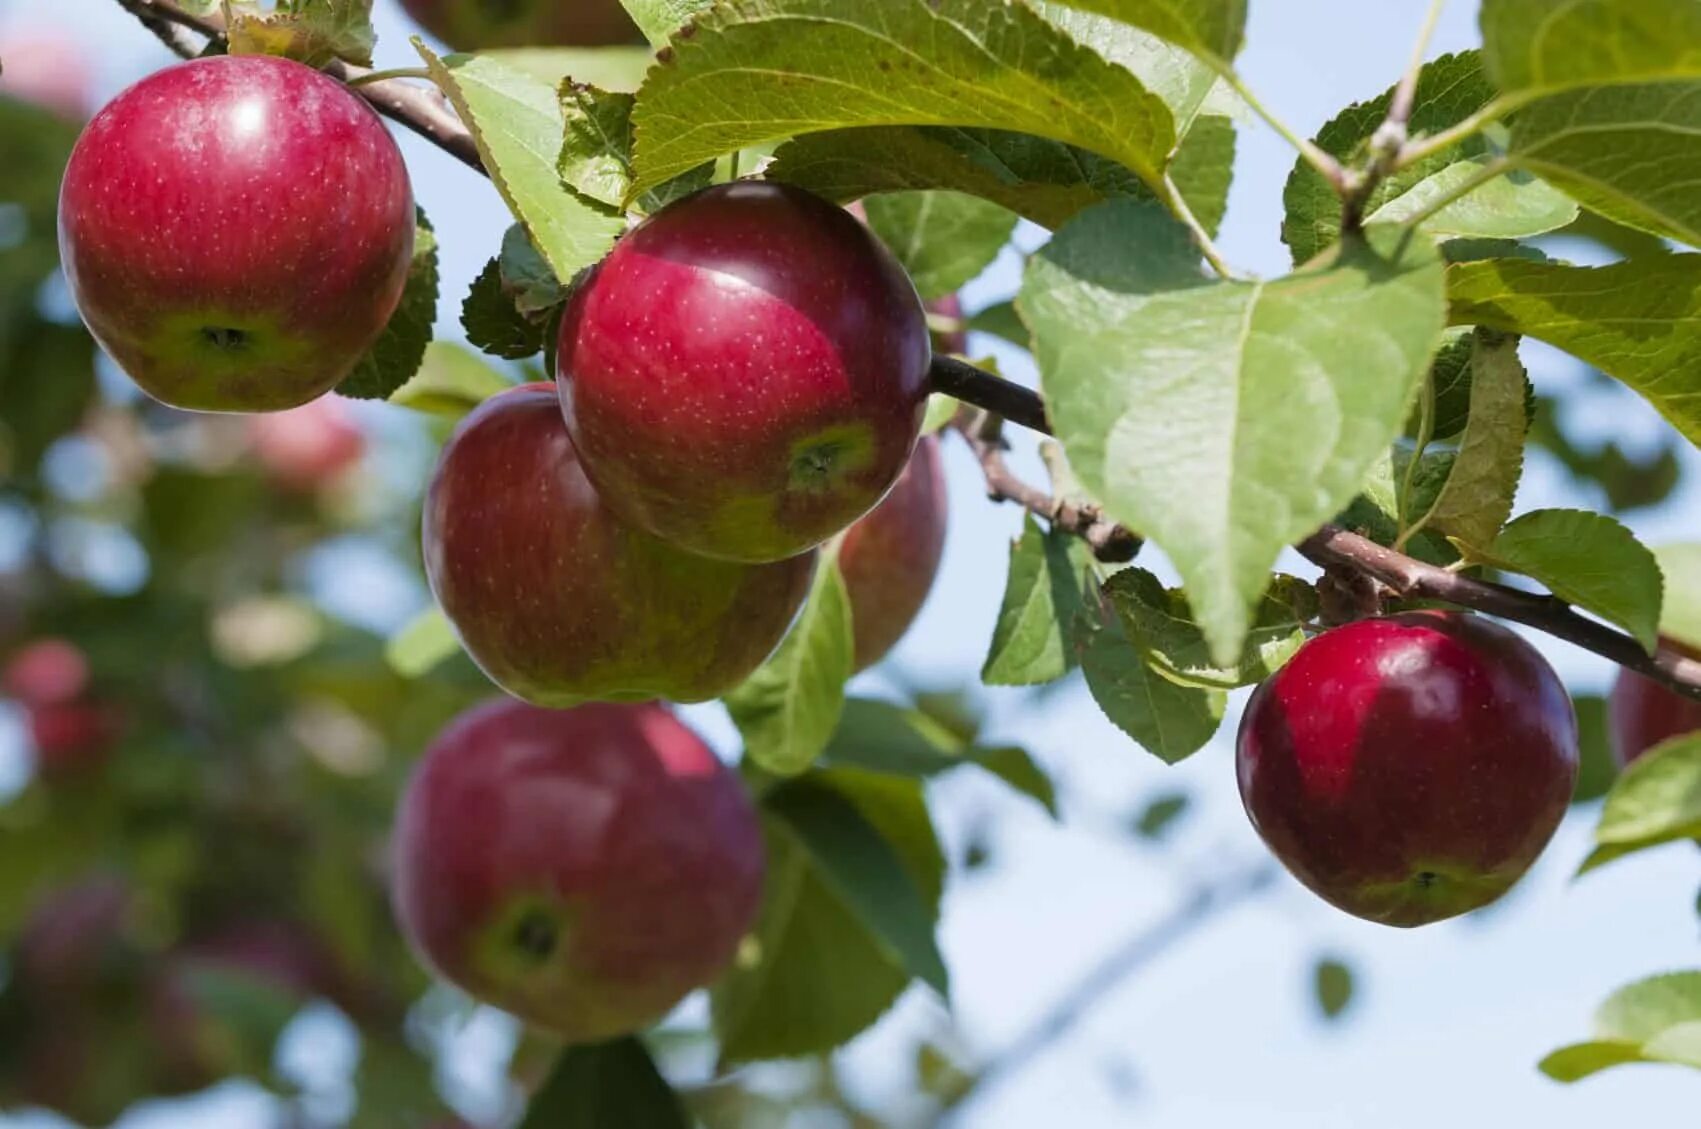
692, 454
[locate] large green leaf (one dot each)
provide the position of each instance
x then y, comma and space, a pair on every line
1211, 29
787, 710
1167, 719
1160, 624
1180, 78
1680, 613
756, 71
603, 1085
1540, 45
1030, 640
1477, 497
1586, 559
611, 68
943, 239
1449, 90
1657, 799
1226, 420
1638, 320
1653, 1020
865, 871
659, 19
517, 124
813, 976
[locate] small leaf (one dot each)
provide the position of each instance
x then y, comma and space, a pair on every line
314, 32
527, 277
596, 153
1030, 641
1579, 1060
1657, 799
942, 239
1160, 815
451, 382
756, 71
1161, 626
1586, 559
1652, 1020
941, 410
1170, 721
1226, 420
864, 871
1477, 497
1597, 768
427, 640
1637, 320
517, 124
1680, 613
396, 355
492, 321
787, 710
1332, 984
603, 1085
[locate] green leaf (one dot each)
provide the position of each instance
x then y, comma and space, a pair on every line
659, 19
865, 872
451, 382
603, 1085
1586, 559
1225, 420
1537, 45
1596, 768
1203, 168
527, 277
517, 124
943, 239
1030, 641
756, 71
1160, 624
1652, 1020
396, 355
941, 410
1211, 29
1477, 497
1680, 612
596, 153
1638, 320
880, 737
1160, 815
787, 710
314, 32
1657, 799
812, 976
427, 641
1383, 497
611, 68
494, 323
1171, 721
1449, 90
1181, 79
1332, 985
1002, 321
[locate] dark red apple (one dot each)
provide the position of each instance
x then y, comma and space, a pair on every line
236, 231
745, 373
72, 738
890, 556
47, 672
1409, 768
309, 446
1641, 713
584, 869
46, 67
560, 601
477, 25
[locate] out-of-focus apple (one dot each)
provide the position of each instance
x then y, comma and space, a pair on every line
890, 556
309, 446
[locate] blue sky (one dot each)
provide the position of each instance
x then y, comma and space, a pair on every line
1450, 1020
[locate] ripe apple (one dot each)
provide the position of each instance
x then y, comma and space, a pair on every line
477, 25
560, 601
72, 738
584, 869
1409, 768
889, 557
237, 231
309, 446
745, 373
47, 672
1641, 713
48, 68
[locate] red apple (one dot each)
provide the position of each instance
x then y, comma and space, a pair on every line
47, 672
584, 869
745, 373
236, 231
72, 738
1409, 768
560, 601
46, 67
309, 446
477, 25
1641, 713
890, 556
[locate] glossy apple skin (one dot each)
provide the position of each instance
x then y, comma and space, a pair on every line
1641, 713
560, 601
307, 447
236, 232
745, 373
1410, 768
891, 555
584, 869
477, 25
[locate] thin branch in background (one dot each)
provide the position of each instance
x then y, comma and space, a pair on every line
1203, 903
178, 39
1400, 107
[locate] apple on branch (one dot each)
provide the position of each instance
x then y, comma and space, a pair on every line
891, 555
